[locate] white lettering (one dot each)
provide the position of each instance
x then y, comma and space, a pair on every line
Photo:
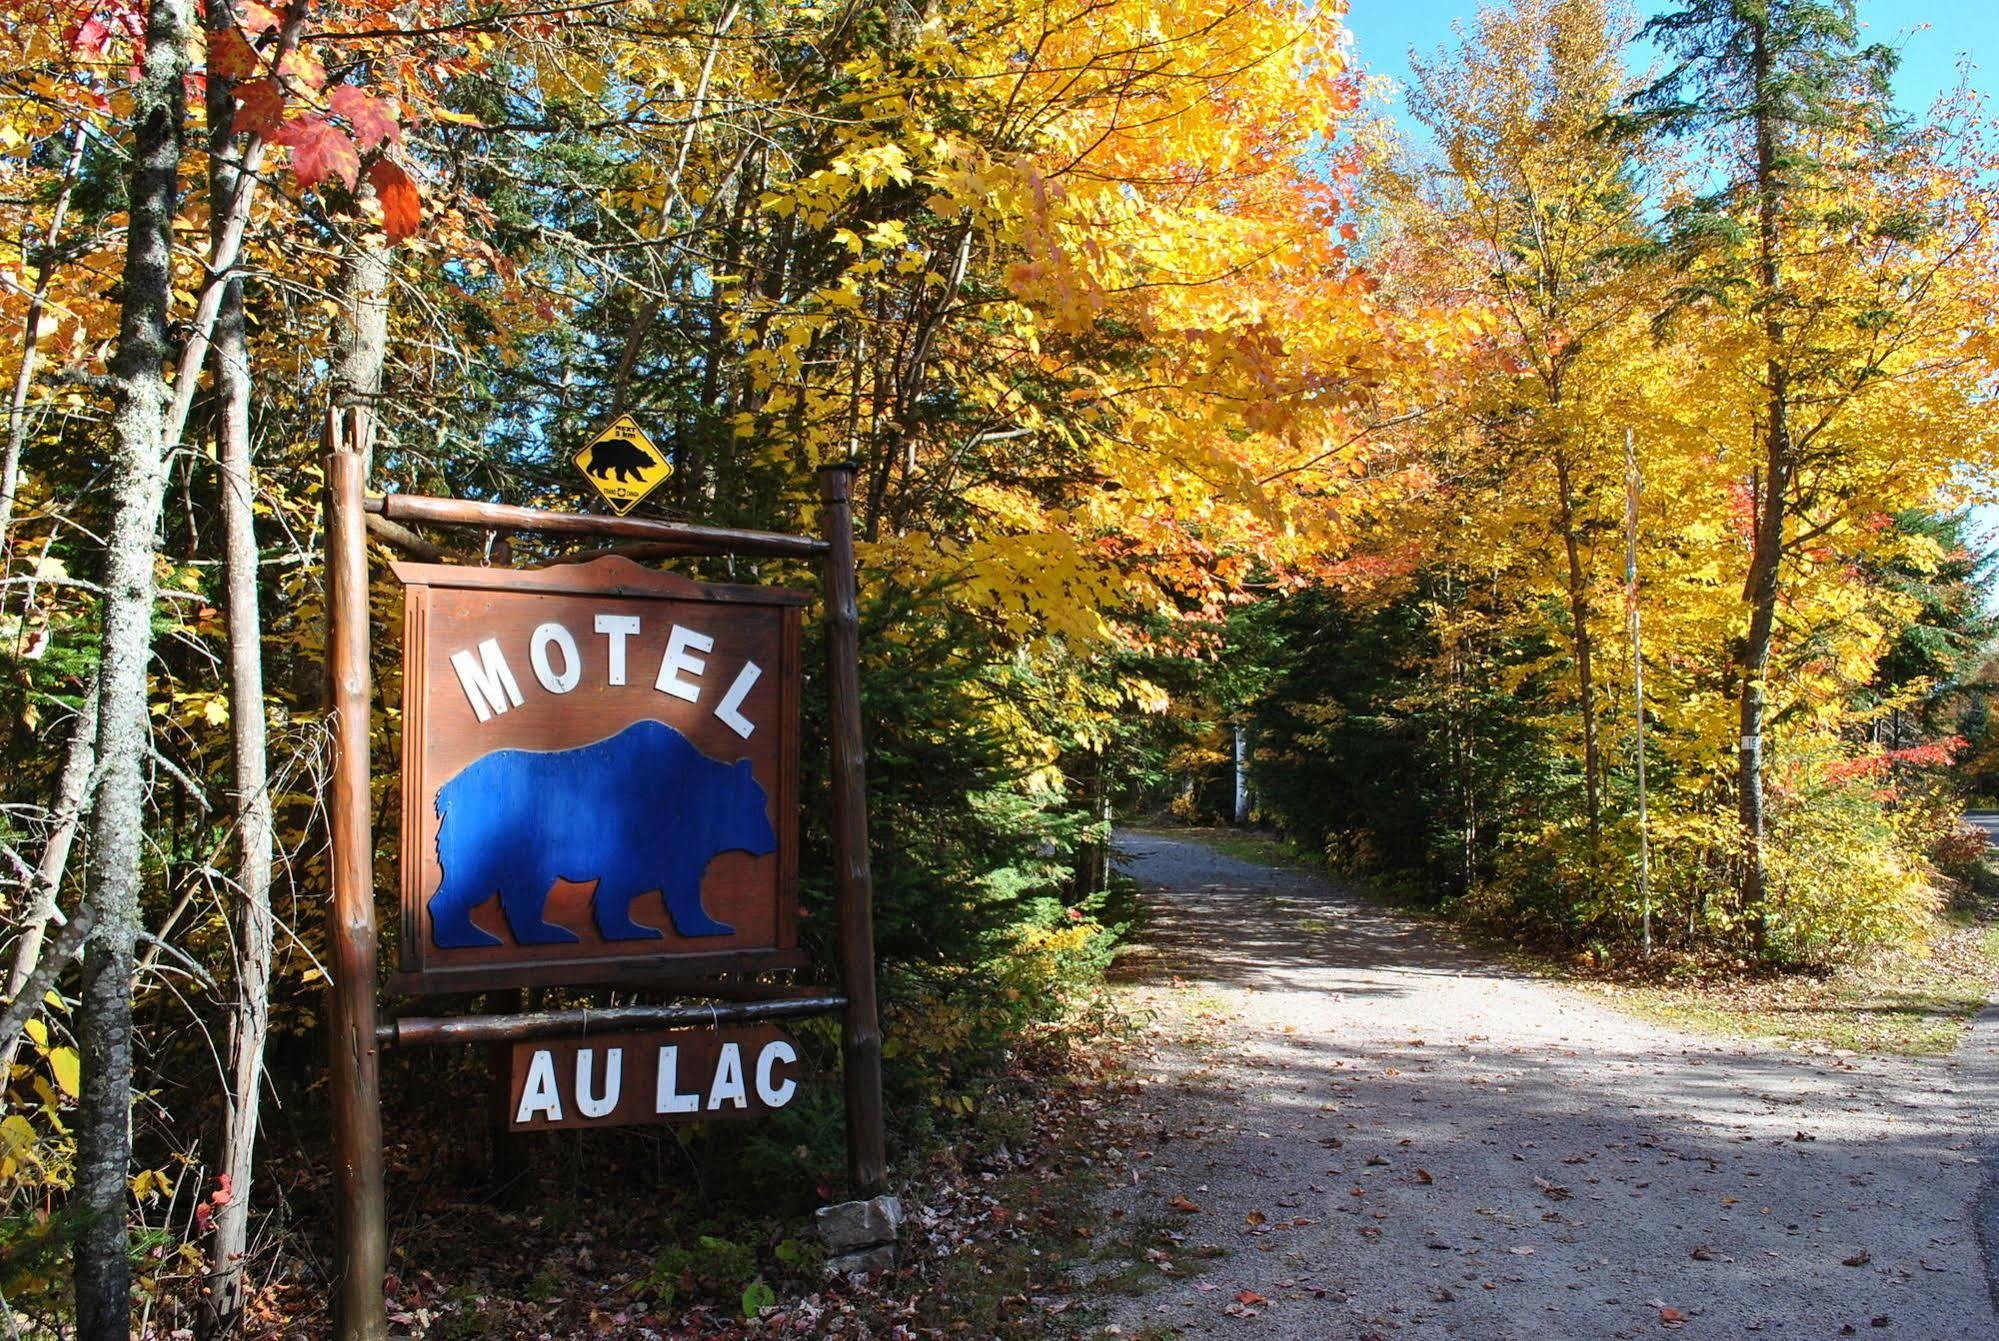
538, 1096
728, 708
729, 1079
490, 687
677, 660
555, 682
598, 1105
617, 628
668, 1098
775, 1096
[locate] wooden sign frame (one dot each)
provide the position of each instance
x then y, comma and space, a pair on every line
767, 615
356, 1034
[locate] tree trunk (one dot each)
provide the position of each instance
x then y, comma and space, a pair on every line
361, 335
29, 976
222, 1306
1762, 586
1579, 615
138, 474
1240, 741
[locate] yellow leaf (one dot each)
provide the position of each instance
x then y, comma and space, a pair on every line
68, 1069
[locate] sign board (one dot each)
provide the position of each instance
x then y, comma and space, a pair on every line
681, 1075
600, 776
623, 465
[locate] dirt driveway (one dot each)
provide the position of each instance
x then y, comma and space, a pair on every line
1380, 1135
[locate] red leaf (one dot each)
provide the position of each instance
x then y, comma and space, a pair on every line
230, 54
373, 119
402, 207
91, 38
263, 107
319, 149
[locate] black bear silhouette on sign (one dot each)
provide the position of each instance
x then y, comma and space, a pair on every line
621, 459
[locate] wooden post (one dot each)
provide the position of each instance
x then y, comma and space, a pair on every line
854, 879
362, 1260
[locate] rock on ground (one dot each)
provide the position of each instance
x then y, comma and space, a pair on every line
1388, 1137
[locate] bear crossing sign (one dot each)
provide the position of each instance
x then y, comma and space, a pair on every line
623, 465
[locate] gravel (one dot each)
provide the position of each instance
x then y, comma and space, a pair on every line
1388, 1136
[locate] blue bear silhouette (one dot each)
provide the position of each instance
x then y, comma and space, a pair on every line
639, 811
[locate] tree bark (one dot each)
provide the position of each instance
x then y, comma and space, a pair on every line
1763, 583
361, 335
141, 400
1584, 645
250, 1023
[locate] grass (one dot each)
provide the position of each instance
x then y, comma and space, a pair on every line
1246, 845
1915, 1002
1909, 1003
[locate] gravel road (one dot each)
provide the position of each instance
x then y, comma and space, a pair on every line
1387, 1136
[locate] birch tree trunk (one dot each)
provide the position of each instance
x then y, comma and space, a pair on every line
138, 470
29, 975
250, 1024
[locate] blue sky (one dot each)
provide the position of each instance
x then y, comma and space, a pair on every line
1932, 36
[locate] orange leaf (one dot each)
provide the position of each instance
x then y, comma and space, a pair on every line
402, 207
301, 65
320, 150
254, 17
1184, 1205
230, 55
1249, 1297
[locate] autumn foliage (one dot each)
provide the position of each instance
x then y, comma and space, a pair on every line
1184, 398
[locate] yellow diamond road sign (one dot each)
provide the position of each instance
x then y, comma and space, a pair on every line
622, 464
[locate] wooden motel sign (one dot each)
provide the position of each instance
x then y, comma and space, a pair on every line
600, 776
682, 1075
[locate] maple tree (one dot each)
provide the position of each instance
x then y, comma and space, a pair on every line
1619, 283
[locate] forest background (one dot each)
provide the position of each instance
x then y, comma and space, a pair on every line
1203, 428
